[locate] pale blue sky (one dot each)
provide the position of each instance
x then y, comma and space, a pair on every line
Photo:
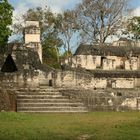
57, 5
22, 6
135, 3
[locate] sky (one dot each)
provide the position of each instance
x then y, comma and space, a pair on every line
57, 5
21, 6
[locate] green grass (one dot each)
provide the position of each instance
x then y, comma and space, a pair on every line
88, 126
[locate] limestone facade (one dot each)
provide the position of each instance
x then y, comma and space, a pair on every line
32, 37
90, 62
91, 81
106, 58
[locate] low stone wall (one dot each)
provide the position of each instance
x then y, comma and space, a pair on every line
24, 78
123, 83
34, 78
73, 78
7, 100
18, 79
106, 100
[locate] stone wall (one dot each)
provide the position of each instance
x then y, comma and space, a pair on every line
106, 100
132, 64
123, 83
7, 100
77, 79
92, 62
109, 64
86, 61
97, 93
25, 78
32, 37
86, 80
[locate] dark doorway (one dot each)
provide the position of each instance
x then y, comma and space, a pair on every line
109, 84
9, 65
102, 59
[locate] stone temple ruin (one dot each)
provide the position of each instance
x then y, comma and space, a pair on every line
98, 78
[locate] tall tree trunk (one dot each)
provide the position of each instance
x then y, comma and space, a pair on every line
57, 54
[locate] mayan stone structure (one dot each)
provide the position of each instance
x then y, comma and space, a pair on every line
95, 78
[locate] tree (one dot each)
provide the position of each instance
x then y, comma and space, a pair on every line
44, 16
51, 49
133, 26
67, 28
49, 33
6, 11
99, 19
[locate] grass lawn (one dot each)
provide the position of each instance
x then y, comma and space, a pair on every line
88, 126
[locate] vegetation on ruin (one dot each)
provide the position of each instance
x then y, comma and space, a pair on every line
88, 126
6, 11
133, 26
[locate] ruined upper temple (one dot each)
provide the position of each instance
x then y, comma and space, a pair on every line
32, 37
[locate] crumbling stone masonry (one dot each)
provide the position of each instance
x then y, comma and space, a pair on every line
109, 80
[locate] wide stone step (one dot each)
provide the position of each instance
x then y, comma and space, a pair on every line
36, 90
49, 104
51, 108
38, 93
61, 100
44, 86
46, 99
54, 111
40, 97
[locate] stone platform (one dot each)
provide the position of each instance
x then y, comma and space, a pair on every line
46, 99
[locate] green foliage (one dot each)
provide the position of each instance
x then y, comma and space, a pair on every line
44, 16
56, 32
6, 11
66, 55
50, 57
51, 46
51, 42
134, 27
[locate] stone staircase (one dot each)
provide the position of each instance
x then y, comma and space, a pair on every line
46, 99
